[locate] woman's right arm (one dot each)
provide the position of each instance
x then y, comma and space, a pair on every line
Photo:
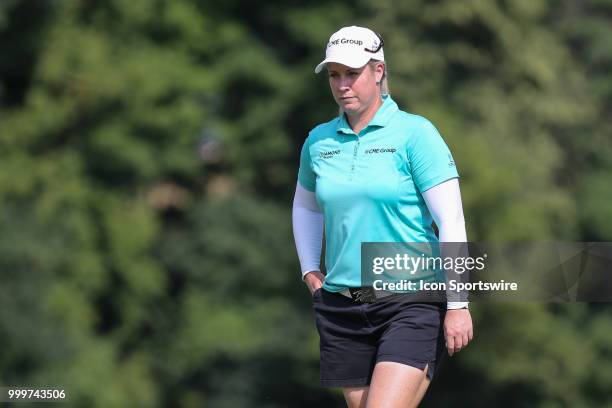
308, 234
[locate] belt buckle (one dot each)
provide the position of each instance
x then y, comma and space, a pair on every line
364, 294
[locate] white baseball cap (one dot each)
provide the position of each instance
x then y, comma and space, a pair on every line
353, 46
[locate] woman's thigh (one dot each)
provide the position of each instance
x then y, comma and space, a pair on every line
356, 397
396, 385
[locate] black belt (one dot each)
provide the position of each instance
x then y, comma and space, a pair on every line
367, 294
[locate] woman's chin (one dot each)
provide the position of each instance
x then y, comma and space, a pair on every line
349, 107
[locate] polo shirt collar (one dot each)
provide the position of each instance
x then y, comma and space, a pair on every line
381, 117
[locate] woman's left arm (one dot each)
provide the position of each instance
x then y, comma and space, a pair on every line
444, 204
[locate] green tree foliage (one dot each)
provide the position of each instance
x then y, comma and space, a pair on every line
148, 157
585, 26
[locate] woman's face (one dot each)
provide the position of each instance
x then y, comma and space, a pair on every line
354, 89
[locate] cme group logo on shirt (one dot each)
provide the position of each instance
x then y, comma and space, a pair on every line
381, 150
451, 162
329, 154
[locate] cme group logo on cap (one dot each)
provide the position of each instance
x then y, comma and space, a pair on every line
344, 41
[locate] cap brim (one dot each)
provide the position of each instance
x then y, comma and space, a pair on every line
352, 62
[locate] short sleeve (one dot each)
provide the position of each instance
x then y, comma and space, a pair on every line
306, 175
431, 161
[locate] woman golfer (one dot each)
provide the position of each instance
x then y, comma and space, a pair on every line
374, 174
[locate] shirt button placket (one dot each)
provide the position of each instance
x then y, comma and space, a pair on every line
355, 150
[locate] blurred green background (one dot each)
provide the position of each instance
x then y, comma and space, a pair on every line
148, 158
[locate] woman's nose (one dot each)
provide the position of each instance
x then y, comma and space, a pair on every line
344, 83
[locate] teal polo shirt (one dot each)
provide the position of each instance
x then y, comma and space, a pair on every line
369, 185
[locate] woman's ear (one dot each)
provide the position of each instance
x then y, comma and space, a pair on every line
380, 72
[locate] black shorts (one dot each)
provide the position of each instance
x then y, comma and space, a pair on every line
355, 336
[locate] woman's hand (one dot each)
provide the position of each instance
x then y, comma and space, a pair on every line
314, 280
458, 329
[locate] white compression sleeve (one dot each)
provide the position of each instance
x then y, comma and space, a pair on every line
307, 229
444, 203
